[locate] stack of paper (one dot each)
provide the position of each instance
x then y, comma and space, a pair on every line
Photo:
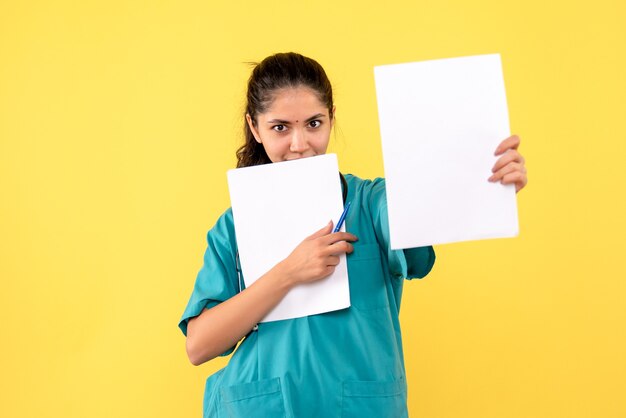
440, 123
275, 207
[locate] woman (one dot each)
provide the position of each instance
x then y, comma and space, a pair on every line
345, 363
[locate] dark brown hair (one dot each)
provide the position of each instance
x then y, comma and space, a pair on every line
283, 70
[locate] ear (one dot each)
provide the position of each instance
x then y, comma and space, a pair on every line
332, 121
254, 131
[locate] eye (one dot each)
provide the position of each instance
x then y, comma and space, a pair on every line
315, 123
279, 128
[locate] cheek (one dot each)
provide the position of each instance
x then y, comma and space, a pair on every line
322, 139
275, 145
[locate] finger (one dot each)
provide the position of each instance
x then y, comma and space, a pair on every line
509, 168
332, 260
511, 142
508, 157
328, 270
327, 229
338, 248
519, 179
323, 271
339, 236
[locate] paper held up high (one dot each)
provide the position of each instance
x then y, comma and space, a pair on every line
275, 207
440, 123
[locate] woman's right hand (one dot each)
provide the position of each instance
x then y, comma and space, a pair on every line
219, 328
317, 256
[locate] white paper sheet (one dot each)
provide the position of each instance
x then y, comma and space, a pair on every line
440, 123
276, 206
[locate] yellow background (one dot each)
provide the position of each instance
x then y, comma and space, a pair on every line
118, 121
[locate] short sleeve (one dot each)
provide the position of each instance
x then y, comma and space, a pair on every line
410, 263
217, 279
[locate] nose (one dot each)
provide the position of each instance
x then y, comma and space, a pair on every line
299, 141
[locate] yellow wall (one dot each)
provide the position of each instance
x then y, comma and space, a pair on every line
119, 119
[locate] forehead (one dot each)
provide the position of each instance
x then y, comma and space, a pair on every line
295, 101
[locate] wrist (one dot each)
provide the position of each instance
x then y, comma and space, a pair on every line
284, 276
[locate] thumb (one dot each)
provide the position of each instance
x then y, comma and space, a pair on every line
327, 229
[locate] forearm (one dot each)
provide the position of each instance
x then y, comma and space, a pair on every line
217, 329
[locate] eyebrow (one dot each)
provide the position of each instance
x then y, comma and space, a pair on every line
286, 122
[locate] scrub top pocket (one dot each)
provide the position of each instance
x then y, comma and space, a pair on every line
367, 279
263, 398
374, 399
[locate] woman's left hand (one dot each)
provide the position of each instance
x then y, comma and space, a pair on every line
510, 169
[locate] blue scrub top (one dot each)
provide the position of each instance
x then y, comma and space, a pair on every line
346, 363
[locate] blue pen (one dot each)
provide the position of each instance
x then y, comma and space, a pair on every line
342, 218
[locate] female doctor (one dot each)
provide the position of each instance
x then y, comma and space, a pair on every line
347, 363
